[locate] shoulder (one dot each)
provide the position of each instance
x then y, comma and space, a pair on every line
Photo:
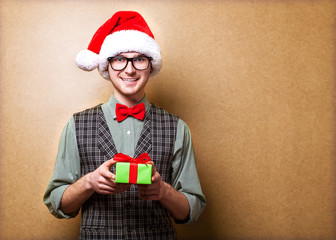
183, 130
162, 112
88, 112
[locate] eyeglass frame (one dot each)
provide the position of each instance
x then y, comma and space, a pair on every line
109, 59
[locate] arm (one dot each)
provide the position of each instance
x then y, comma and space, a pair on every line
183, 198
175, 202
101, 181
67, 191
66, 171
75, 195
184, 173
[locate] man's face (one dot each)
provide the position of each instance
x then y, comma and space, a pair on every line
129, 83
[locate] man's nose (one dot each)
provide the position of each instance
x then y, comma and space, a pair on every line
129, 68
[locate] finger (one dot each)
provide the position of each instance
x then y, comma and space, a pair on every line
147, 192
106, 188
103, 181
113, 188
153, 167
148, 197
122, 185
156, 177
106, 166
107, 174
148, 189
109, 163
119, 188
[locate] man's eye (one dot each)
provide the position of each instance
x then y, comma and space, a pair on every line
119, 59
139, 59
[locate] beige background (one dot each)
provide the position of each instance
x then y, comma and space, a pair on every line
255, 81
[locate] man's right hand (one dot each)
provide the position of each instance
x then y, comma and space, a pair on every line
102, 180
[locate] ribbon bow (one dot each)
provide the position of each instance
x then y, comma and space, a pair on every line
122, 111
143, 158
133, 164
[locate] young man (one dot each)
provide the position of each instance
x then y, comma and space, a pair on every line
126, 53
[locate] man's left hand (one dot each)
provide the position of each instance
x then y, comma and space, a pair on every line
154, 191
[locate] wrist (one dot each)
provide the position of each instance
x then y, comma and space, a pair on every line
175, 202
87, 183
166, 189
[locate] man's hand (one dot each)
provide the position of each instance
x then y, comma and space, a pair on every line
154, 191
174, 201
102, 180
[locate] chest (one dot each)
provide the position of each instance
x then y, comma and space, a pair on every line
97, 144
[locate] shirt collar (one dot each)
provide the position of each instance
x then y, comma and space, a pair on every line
113, 101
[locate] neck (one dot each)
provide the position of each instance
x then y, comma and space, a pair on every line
129, 101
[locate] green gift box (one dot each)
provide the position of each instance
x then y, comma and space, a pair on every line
133, 170
136, 173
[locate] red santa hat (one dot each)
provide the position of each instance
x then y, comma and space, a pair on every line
125, 31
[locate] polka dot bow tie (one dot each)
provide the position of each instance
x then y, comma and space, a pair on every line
122, 111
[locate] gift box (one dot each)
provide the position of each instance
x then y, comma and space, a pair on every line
130, 170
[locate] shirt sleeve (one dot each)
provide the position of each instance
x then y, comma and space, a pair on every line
66, 171
184, 175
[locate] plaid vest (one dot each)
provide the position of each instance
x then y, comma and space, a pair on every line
125, 216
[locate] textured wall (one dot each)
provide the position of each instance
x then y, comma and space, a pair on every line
255, 81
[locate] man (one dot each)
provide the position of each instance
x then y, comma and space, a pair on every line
126, 53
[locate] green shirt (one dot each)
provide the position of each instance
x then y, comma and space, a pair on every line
125, 136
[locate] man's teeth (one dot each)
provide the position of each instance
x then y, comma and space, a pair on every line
129, 79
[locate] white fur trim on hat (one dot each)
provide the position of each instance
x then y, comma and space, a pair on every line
87, 60
129, 41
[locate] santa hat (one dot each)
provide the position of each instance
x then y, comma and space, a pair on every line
125, 31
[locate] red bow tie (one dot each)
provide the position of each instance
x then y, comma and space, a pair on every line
122, 111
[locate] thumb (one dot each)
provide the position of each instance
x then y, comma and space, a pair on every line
108, 164
153, 167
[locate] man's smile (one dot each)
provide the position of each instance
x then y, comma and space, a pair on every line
129, 79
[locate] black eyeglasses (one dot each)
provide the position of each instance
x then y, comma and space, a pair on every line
119, 63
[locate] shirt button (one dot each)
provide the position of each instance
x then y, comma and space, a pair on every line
128, 132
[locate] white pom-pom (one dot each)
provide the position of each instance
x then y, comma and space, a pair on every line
87, 60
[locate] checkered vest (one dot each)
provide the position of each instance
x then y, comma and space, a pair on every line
125, 216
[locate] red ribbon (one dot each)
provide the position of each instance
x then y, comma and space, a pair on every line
133, 175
